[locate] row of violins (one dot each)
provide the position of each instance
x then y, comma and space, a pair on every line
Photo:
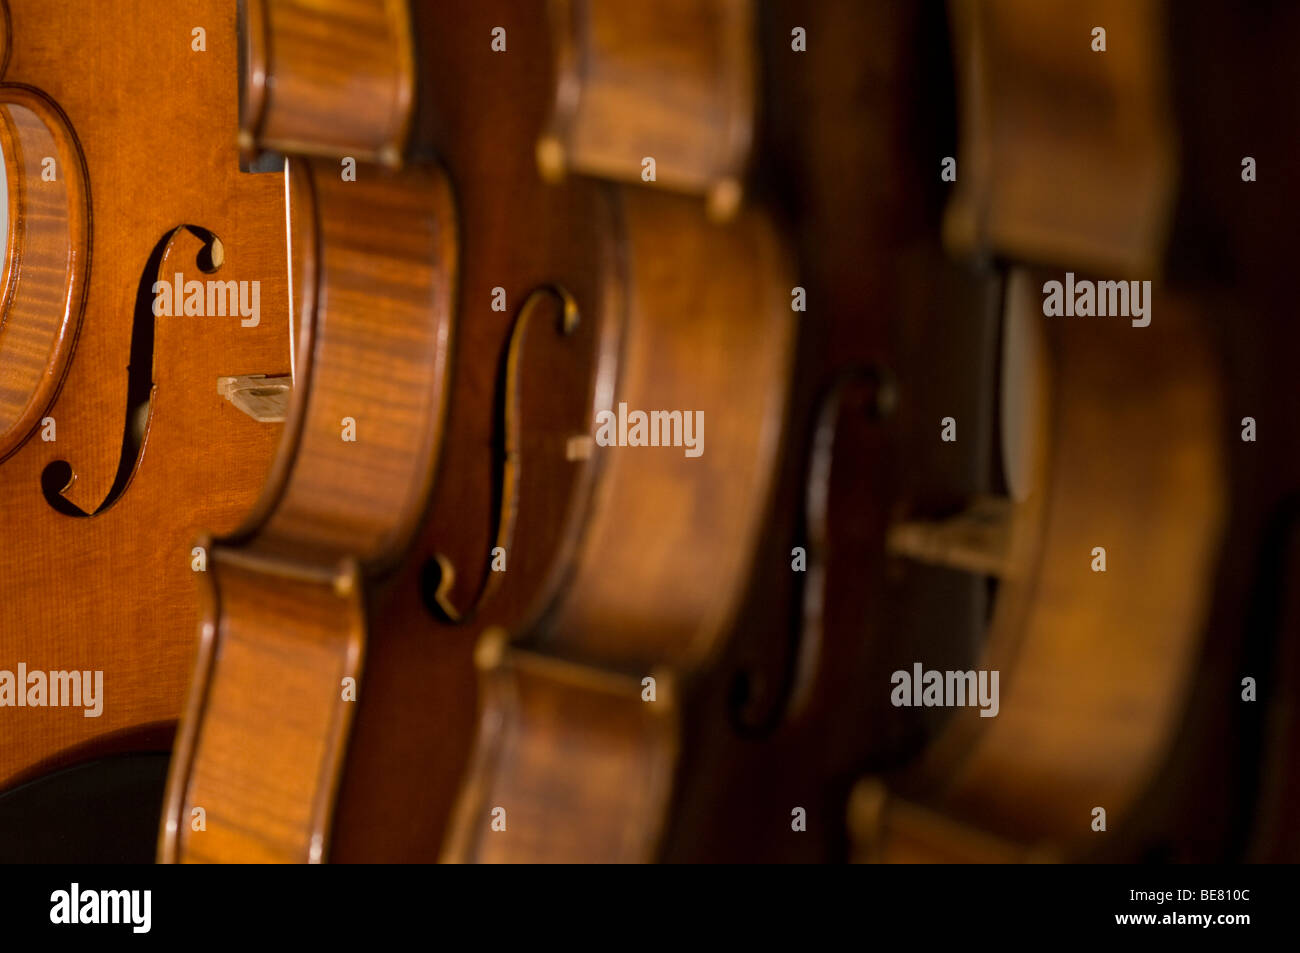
438, 620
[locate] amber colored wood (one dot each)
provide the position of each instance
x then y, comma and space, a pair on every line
528, 523
520, 236
1078, 165
48, 222
327, 77
152, 120
1119, 448
709, 329
586, 764
260, 744
527, 381
919, 834
673, 81
265, 732
6, 34
850, 143
551, 251
664, 554
1095, 667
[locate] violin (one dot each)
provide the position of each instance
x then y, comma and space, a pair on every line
142, 269
1103, 522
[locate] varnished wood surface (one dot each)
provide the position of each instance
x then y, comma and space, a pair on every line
46, 250
522, 219
1100, 121
709, 330
580, 767
328, 78
522, 387
116, 592
664, 557
266, 728
675, 84
258, 752
1095, 667
847, 148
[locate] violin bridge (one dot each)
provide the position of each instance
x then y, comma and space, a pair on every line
976, 540
265, 399
578, 447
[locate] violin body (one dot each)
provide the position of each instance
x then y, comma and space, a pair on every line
118, 449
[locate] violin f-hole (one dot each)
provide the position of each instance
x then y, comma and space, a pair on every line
59, 475
439, 573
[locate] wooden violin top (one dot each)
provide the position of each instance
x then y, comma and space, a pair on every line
126, 451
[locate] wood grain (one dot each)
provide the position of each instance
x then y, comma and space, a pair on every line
116, 592
326, 77
265, 732
527, 379
46, 247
